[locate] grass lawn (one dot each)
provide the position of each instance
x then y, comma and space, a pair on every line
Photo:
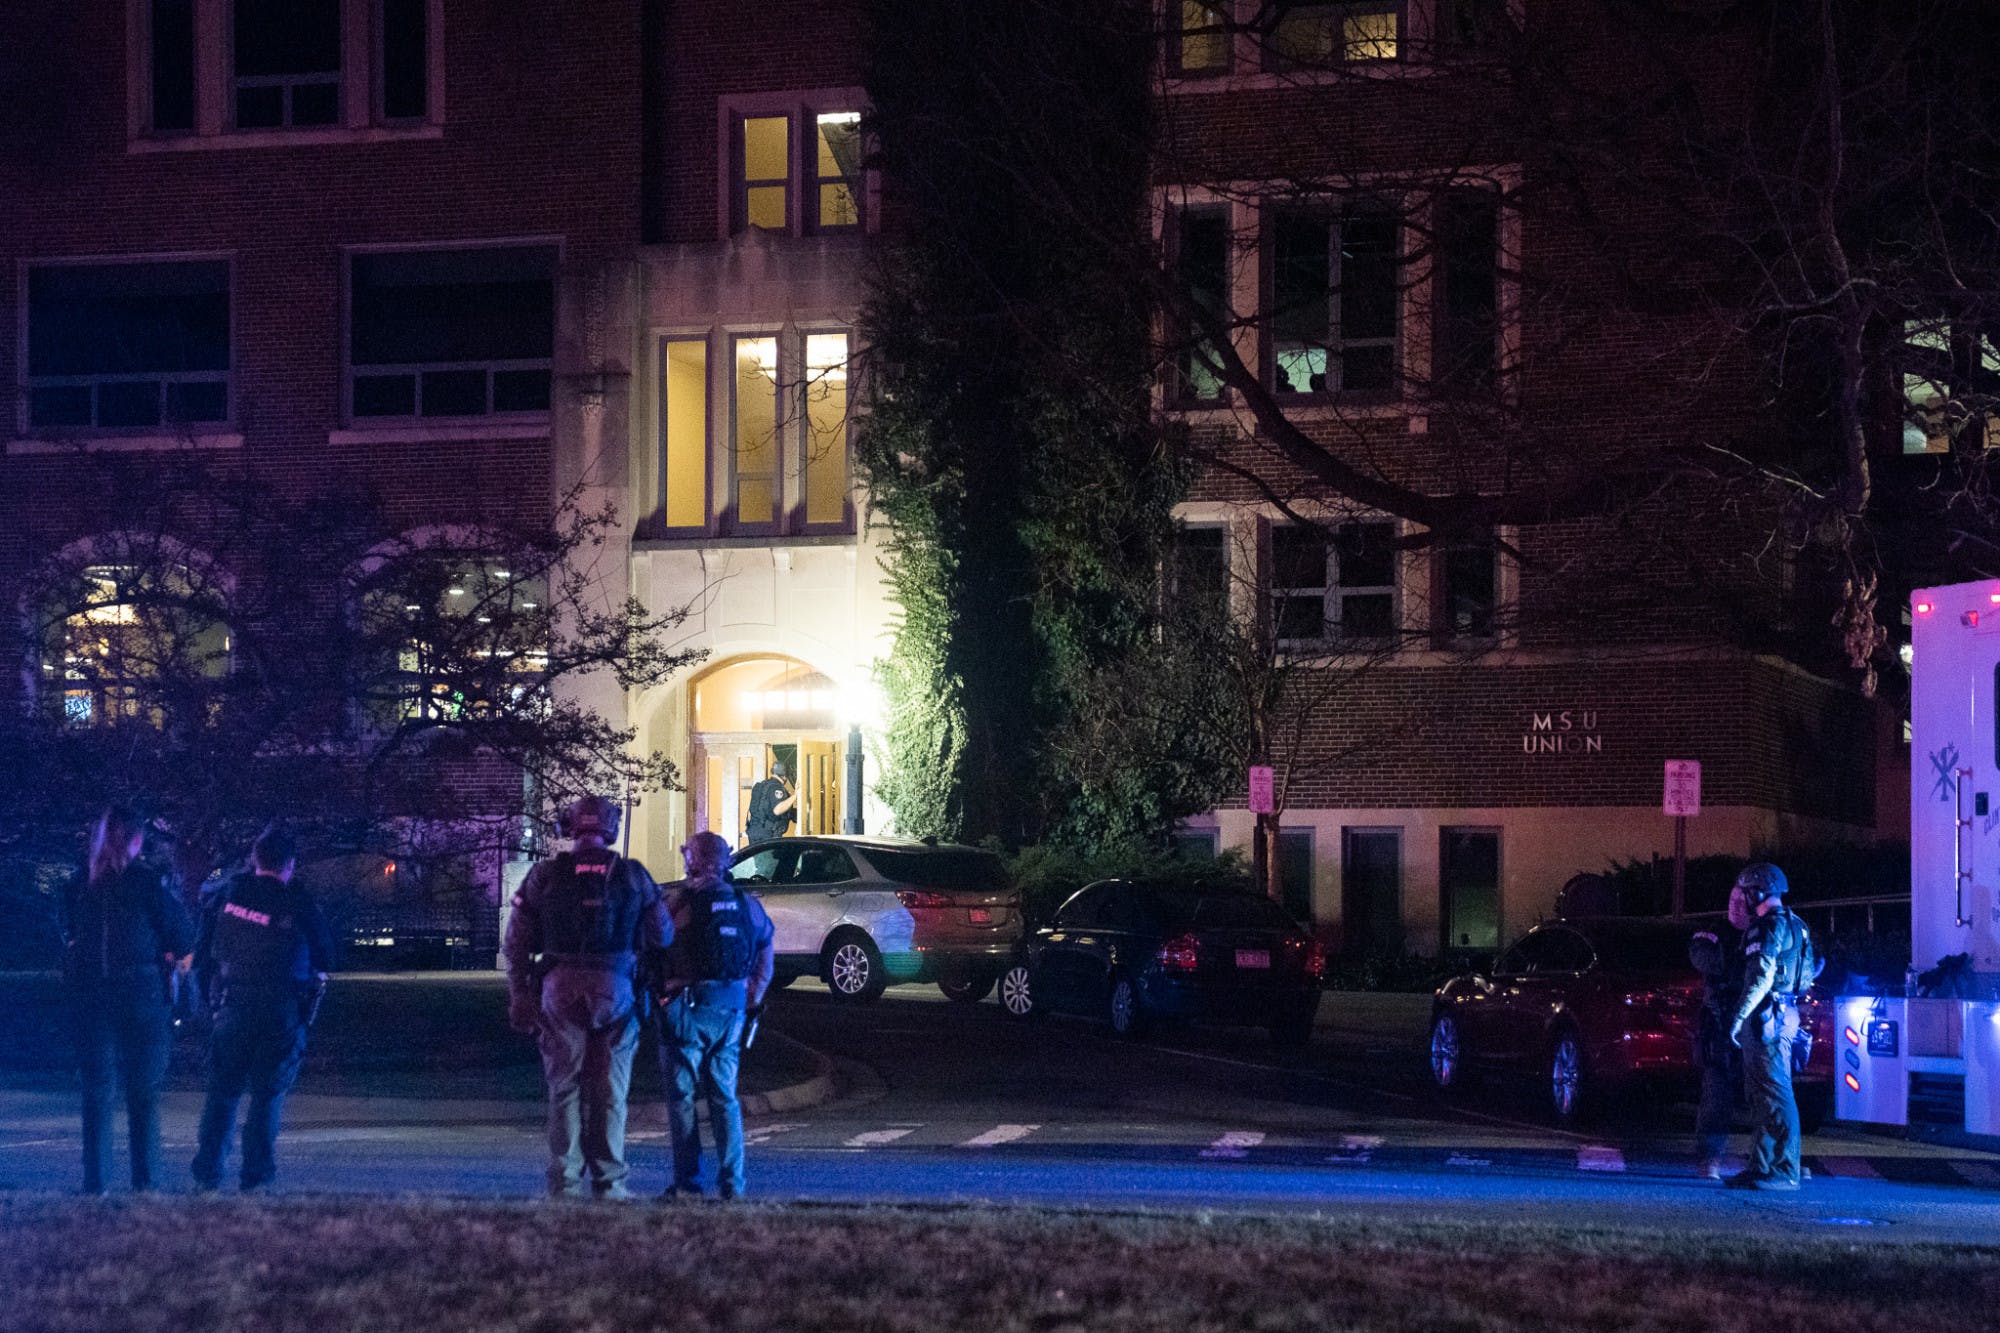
378, 1035
458, 1267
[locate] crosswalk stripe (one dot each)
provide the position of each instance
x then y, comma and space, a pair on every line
998, 1135
1854, 1168
875, 1138
765, 1133
1236, 1143
1596, 1157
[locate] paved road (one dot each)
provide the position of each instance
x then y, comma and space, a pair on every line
955, 1103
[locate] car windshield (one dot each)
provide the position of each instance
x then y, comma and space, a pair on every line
940, 868
1641, 946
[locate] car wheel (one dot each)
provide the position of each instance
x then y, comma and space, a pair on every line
1017, 991
1126, 1010
1566, 1078
1447, 1055
966, 985
1294, 1033
852, 967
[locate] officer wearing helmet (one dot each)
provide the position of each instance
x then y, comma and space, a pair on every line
1765, 1022
584, 922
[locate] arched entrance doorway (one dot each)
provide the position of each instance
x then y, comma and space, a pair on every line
750, 713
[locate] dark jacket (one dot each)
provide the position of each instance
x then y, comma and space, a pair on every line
261, 933
122, 931
1718, 955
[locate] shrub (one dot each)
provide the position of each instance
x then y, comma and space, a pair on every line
1049, 873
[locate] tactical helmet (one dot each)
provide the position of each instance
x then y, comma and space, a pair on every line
589, 814
779, 769
1761, 880
706, 848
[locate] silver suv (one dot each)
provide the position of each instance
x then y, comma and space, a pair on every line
865, 913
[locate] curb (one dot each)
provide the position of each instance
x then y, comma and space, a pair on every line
821, 1087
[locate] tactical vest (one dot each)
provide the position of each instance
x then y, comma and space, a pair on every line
719, 941
257, 939
589, 908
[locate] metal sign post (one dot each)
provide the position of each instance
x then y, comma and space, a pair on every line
1682, 800
1264, 805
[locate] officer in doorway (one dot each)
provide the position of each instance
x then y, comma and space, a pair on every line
1718, 955
261, 961
1764, 1024
583, 924
772, 802
717, 975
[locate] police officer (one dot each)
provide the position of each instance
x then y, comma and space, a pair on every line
262, 956
1763, 1025
1718, 956
771, 805
583, 924
718, 973
125, 939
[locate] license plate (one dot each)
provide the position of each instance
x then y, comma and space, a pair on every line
1253, 958
982, 916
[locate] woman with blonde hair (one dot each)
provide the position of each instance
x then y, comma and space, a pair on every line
125, 937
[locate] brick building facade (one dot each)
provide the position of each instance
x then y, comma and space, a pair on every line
683, 185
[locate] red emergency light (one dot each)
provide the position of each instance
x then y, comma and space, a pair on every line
1923, 608
1853, 1083
1853, 1037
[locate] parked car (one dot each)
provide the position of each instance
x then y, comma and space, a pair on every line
1133, 953
866, 913
1590, 1006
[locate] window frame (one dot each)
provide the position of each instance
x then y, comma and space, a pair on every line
234, 83
796, 512
1335, 215
800, 108
659, 501
1334, 593
361, 115
1223, 12
416, 419
1445, 887
1272, 61
25, 380
732, 516
1183, 338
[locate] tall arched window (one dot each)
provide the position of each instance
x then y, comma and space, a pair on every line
457, 639
140, 640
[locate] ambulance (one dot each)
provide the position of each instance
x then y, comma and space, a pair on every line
1929, 1057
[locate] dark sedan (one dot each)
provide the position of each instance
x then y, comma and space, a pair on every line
1588, 1006
1135, 953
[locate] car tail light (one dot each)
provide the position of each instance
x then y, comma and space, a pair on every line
1182, 953
921, 898
1853, 1083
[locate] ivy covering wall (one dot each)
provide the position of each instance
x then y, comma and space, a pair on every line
1010, 450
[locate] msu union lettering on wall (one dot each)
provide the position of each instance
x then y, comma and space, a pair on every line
1562, 731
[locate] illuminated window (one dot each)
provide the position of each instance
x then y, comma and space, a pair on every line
1334, 294
754, 444
684, 426
130, 644
1319, 36
764, 172
826, 429
1951, 377
1203, 37
128, 346
1334, 586
796, 163
837, 169
451, 333
458, 640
